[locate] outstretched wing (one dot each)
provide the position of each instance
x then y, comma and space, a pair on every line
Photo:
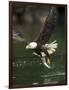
48, 27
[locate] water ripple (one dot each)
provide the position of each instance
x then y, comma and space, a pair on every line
55, 74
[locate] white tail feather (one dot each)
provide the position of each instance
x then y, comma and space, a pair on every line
51, 48
44, 62
53, 42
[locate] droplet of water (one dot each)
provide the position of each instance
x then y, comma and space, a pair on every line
24, 62
40, 63
35, 83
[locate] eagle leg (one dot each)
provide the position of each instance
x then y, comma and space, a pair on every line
44, 62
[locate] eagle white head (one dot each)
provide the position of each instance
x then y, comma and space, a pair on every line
31, 45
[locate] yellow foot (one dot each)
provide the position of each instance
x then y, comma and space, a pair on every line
48, 61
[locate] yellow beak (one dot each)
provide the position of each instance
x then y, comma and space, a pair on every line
28, 46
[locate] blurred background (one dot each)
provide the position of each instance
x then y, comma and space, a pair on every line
28, 19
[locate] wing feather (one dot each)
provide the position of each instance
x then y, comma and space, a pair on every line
48, 27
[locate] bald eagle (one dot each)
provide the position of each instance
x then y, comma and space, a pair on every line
40, 46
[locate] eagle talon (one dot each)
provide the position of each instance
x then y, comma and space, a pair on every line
48, 61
